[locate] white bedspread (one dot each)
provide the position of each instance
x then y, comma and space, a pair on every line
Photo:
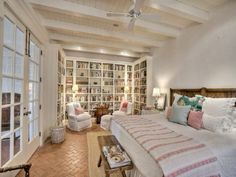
222, 145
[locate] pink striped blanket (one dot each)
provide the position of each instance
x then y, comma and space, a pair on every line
176, 154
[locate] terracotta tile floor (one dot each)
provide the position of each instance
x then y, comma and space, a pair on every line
68, 159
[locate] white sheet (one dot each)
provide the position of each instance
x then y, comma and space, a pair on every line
222, 145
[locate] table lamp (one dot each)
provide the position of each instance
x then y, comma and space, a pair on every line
156, 93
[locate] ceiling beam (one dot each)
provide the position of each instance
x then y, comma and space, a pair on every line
101, 51
179, 9
98, 42
55, 24
74, 9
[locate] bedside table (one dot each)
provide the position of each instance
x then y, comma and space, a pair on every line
150, 111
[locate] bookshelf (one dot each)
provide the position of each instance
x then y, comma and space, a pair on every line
60, 88
98, 83
142, 83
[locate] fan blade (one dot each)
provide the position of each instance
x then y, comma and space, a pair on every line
117, 14
150, 17
138, 4
131, 24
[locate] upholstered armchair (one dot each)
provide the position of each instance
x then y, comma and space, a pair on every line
77, 119
126, 108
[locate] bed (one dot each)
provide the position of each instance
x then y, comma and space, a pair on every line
223, 146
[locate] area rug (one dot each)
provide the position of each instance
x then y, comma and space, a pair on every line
94, 153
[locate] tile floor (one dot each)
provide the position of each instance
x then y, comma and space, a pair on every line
69, 159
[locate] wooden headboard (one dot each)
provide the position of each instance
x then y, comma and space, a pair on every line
211, 92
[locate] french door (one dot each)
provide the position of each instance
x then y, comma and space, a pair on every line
19, 88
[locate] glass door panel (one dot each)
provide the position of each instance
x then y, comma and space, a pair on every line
12, 90
33, 91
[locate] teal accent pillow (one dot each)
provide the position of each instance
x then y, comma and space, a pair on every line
193, 102
180, 114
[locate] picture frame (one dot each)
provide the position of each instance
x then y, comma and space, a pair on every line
161, 102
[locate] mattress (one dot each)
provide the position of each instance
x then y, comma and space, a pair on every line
222, 145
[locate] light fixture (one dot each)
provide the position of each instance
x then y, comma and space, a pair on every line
156, 93
126, 89
75, 88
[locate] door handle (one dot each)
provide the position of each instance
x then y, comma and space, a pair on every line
27, 113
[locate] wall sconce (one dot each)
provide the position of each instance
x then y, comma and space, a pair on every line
156, 93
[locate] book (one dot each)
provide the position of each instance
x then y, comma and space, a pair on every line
115, 156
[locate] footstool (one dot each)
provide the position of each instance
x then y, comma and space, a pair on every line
106, 122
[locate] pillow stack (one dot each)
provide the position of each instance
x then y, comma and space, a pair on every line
217, 114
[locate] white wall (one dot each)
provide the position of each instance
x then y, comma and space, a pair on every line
203, 56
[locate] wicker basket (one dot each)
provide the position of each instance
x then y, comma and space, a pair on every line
58, 134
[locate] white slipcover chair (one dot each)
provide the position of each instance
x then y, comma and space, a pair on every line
77, 122
106, 119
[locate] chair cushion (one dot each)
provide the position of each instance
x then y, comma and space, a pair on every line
79, 110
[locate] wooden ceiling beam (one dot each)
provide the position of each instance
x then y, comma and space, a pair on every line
55, 24
98, 42
179, 9
74, 9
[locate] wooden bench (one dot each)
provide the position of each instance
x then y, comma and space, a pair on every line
108, 141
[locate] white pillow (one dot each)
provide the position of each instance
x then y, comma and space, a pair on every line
176, 98
218, 124
220, 107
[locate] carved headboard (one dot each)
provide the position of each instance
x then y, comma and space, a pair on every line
211, 92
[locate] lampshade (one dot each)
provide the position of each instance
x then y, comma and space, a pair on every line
126, 89
156, 92
75, 88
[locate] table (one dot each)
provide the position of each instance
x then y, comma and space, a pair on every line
108, 141
100, 111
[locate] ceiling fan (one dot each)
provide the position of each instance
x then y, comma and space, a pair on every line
135, 13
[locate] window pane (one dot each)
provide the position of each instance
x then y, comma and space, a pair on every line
37, 54
18, 91
31, 131
36, 128
36, 91
7, 65
6, 90
36, 109
19, 41
17, 139
17, 113
32, 49
6, 118
8, 33
31, 91
5, 149
19, 66
31, 71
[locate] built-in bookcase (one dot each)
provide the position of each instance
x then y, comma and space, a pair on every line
142, 83
104, 82
98, 83
60, 88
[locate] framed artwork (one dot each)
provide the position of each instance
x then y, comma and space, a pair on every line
161, 101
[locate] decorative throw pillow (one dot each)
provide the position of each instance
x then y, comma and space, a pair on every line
180, 114
195, 119
168, 112
193, 102
79, 110
218, 124
123, 106
176, 98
